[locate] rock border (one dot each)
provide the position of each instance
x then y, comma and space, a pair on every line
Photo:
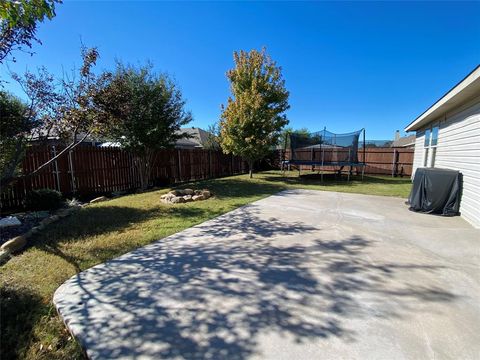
180, 196
16, 244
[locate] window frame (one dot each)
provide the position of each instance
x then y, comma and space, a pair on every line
430, 145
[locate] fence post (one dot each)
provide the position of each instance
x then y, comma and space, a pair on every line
72, 175
57, 177
394, 163
179, 166
209, 164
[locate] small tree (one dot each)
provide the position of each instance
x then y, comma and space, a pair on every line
15, 125
64, 107
146, 113
212, 142
254, 115
18, 23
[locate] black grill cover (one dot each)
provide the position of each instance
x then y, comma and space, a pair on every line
436, 191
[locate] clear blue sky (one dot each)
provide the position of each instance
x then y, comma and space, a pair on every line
346, 65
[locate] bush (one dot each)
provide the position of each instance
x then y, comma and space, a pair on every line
44, 199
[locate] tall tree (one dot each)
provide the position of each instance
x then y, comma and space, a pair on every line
255, 113
146, 113
18, 23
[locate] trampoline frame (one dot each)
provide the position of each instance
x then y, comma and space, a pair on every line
322, 164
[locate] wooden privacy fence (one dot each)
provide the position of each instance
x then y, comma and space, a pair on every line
379, 161
387, 161
87, 171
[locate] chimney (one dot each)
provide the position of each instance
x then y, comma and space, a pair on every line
397, 135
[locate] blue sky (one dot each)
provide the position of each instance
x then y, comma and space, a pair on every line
347, 65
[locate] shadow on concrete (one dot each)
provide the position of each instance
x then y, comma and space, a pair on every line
93, 221
201, 295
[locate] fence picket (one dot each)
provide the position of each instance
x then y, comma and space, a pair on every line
88, 171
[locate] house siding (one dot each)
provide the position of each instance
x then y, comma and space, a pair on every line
458, 148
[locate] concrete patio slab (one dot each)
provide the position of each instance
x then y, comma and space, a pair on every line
299, 275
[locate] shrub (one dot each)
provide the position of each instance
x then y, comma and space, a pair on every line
44, 199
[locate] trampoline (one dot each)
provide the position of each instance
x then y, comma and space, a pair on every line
324, 150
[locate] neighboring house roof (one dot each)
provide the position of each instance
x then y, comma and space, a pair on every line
464, 90
42, 135
375, 143
187, 143
197, 138
405, 141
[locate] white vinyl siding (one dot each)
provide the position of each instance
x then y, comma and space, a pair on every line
458, 149
419, 154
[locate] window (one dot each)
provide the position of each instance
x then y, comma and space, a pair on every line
430, 145
425, 158
427, 138
434, 136
432, 156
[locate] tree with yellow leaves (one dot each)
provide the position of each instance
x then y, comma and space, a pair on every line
255, 112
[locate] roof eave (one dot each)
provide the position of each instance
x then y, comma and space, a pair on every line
464, 90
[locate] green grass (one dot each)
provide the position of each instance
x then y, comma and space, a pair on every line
30, 326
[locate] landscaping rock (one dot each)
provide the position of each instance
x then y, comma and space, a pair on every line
185, 195
198, 197
4, 256
98, 199
9, 221
40, 214
15, 244
65, 212
34, 230
177, 200
167, 197
49, 220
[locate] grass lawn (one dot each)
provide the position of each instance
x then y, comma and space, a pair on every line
30, 326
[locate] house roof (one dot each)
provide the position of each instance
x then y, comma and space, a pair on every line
404, 141
463, 91
197, 138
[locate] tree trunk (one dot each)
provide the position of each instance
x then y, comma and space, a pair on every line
144, 166
250, 168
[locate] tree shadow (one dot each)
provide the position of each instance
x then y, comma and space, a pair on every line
212, 291
20, 309
94, 221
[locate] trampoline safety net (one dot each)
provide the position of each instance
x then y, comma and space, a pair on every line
324, 148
